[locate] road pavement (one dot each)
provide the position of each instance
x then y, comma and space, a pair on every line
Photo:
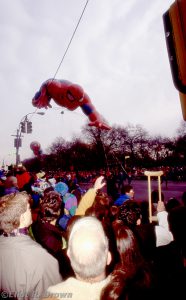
173, 189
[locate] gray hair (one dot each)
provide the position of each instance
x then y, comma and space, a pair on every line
12, 206
88, 248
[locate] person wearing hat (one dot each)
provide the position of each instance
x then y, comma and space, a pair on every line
11, 185
69, 201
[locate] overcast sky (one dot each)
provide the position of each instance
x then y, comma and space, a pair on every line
118, 55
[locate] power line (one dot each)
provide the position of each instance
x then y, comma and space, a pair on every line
71, 39
69, 43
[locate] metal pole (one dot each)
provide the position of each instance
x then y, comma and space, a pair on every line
18, 135
17, 147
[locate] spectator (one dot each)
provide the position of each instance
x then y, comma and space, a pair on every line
2, 184
155, 199
71, 181
100, 208
171, 203
69, 199
26, 269
89, 255
112, 189
77, 192
85, 202
129, 177
89, 197
158, 248
127, 193
47, 232
177, 224
131, 278
69, 202
170, 259
11, 185
23, 178
149, 235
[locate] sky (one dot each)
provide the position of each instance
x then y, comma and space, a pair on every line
118, 55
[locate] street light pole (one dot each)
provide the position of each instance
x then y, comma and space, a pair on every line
18, 140
18, 144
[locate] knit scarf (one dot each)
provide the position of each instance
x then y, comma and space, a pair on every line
16, 232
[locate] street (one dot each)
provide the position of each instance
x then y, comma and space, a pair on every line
174, 189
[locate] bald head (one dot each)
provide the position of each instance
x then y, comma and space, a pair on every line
88, 248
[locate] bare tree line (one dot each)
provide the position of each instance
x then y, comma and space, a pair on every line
130, 146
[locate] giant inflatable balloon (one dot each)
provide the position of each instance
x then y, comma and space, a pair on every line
69, 95
36, 148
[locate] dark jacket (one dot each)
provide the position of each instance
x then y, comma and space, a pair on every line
50, 237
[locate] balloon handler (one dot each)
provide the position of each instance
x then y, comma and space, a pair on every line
69, 95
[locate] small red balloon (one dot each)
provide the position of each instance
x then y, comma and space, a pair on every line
35, 146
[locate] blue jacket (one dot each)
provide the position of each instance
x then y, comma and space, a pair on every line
122, 198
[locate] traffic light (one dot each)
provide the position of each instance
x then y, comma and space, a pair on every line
23, 127
174, 20
29, 127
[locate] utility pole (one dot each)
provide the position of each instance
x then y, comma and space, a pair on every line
25, 126
17, 145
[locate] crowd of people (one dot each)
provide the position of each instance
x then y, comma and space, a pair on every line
59, 241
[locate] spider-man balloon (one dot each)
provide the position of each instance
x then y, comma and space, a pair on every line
69, 95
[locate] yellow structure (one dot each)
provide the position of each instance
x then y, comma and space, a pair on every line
175, 33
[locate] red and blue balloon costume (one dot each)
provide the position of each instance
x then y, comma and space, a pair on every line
69, 95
